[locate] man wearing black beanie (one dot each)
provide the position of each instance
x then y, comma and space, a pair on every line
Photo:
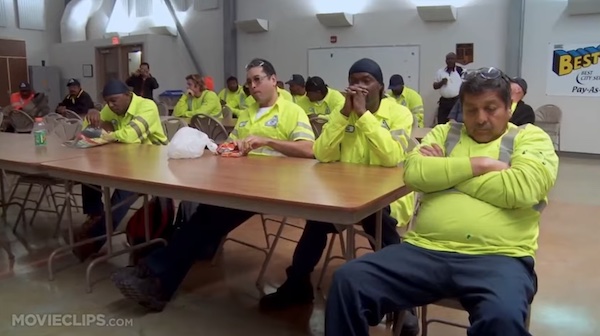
368, 130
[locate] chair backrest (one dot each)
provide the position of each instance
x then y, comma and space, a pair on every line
51, 120
172, 125
317, 125
21, 121
548, 118
211, 126
67, 129
72, 115
163, 110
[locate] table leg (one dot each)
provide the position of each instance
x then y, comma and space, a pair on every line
68, 191
3, 200
378, 229
350, 243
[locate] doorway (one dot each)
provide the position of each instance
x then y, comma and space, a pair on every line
117, 62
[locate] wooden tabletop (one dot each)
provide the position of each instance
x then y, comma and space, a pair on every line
280, 186
19, 153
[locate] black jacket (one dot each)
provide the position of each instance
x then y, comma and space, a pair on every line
79, 103
523, 114
142, 87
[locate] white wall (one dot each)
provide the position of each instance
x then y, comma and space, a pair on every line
546, 22
293, 28
37, 42
169, 62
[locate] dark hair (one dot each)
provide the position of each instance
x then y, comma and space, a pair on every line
266, 66
316, 84
232, 78
476, 85
146, 64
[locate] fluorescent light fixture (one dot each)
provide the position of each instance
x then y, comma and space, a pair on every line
348, 6
455, 3
253, 25
583, 7
437, 13
336, 19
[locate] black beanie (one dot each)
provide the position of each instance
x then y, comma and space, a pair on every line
113, 87
369, 66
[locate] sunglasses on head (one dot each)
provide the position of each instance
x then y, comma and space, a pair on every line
485, 73
254, 65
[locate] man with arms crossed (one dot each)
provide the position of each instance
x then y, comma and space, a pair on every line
484, 185
272, 126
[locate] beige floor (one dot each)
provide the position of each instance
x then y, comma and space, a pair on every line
222, 300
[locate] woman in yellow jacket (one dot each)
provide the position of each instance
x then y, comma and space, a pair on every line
197, 100
368, 130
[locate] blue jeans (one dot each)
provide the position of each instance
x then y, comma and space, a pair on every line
93, 206
495, 290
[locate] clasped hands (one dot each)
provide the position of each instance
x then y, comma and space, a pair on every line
480, 165
356, 100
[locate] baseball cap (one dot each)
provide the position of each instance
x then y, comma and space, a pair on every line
73, 81
296, 79
24, 86
520, 82
314, 84
396, 81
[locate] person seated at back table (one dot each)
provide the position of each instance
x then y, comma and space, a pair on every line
272, 126
296, 84
522, 113
233, 95
77, 100
128, 118
484, 185
198, 99
19, 99
368, 130
320, 100
406, 96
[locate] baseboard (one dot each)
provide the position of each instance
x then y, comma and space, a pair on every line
578, 155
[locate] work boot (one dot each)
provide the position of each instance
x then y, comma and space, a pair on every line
83, 252
291, 293
410, 325
145, 290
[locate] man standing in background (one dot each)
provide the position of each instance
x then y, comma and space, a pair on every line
448, 81
142, 82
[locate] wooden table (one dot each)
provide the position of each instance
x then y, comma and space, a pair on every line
335, 192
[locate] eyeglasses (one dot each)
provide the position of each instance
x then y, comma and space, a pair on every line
485, 73
255, 80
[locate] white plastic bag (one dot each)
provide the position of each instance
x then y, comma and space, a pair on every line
189, 143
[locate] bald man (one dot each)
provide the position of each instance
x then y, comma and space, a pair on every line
447, 81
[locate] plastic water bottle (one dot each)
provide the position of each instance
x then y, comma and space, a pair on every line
40, 132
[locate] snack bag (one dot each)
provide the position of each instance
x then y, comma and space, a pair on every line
89, 137
228, 149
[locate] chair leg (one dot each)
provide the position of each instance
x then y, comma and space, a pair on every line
265, 231
424, 324
263, 269
38, 204
21, 215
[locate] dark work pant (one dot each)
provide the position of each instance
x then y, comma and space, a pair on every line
199, 238
495, 290
444, 108
92, 206
313, 241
